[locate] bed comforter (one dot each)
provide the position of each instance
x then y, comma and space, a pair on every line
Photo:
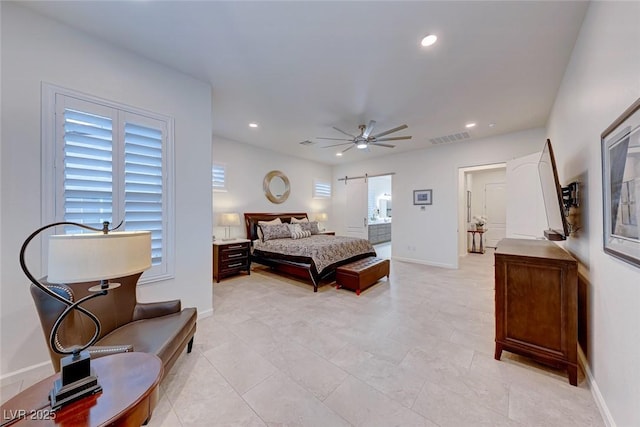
323, 253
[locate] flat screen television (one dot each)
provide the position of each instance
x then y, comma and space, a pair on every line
558, 227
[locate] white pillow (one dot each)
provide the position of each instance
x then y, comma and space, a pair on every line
273, 221
295, 220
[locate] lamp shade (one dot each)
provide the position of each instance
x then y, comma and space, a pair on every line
322, 217
229, 219
89, 257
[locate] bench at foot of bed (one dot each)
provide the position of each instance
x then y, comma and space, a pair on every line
359, 275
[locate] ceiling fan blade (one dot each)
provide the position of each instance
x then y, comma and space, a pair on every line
391, 131
381, 145
368, 129
337, 145
348, 148
393, 138
341, 131
334, 139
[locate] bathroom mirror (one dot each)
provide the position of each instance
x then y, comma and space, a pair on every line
276, 186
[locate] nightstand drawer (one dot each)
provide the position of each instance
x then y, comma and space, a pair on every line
233, 265
234, 254
244, 246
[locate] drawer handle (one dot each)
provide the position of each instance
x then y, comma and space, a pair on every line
235, 265
235, 247
235, 255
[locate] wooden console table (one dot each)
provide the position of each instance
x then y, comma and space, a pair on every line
129, 394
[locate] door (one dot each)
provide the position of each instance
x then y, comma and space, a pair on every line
526, 218
495, 208
356, 212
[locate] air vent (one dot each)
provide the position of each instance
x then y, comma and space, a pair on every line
307, 142
450, 138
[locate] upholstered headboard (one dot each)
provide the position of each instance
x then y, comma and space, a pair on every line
251, 220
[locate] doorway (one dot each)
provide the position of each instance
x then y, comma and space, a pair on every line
380, 214
482, 196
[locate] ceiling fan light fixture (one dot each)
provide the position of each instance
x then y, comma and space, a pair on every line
429, 40
361, 145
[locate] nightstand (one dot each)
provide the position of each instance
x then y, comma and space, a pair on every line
230, 257
328, 233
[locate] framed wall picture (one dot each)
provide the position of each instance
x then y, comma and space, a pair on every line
422, 197
621, 186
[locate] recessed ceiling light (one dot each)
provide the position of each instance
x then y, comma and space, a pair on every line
253, 125
470, 125
491, 125
339, 154
429, 40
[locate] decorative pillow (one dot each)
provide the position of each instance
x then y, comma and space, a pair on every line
273, 221
297, 232
306, 226
295, 220
314, 227
275, 231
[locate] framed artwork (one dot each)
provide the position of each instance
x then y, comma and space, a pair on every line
621, 186
422, 197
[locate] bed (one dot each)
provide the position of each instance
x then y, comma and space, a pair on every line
312, 258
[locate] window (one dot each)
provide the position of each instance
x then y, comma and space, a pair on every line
321, 189
111, 163
218, 177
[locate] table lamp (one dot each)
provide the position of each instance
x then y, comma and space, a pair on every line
229, 220
86, 257
322, 217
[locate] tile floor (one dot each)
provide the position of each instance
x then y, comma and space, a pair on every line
417, 350
414, 350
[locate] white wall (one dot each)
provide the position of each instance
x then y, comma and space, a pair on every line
36, 49
430, 236
246, 166
601, 81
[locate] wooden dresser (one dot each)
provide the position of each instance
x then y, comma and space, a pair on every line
536, 295
230, 257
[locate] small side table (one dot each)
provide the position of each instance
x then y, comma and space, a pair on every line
480, 248
129, 394
230, 257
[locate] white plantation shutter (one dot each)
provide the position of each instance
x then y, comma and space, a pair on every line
143, 199
88, 172
112, 163
218, 177
321, 189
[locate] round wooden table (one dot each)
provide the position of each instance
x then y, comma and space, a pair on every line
129, 394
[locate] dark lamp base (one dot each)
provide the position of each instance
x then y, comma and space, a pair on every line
77, 380
64, 395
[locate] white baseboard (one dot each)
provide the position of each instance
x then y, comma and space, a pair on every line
419, 261
205, 314
595, 391
43, 369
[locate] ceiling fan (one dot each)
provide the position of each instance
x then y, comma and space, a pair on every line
366, 139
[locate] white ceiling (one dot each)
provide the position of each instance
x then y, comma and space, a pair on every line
300, 68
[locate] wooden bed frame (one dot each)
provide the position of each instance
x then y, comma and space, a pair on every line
296, 269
